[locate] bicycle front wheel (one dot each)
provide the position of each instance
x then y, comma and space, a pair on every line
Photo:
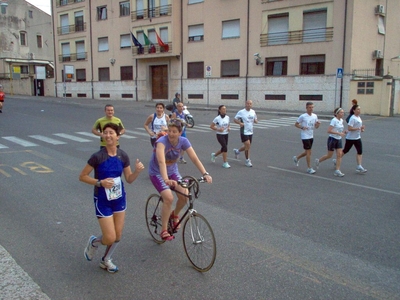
199, 242
153, 217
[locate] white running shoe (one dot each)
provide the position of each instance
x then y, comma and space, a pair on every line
182, 160
226, 165
338, 173
236, 152
248, 163
361, 170
108, 265
90, 250
334, 161
310, 171
296, 161
317, 163
213, 157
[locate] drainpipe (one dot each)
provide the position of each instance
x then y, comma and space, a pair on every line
344, 53
247, 50
54, 47
181, 50
91, 48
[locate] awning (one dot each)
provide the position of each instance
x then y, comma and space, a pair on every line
29, 61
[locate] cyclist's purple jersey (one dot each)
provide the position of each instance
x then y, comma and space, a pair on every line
172, 154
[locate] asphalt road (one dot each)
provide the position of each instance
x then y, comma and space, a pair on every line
281, 233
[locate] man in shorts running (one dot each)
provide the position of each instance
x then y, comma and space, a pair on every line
108, 118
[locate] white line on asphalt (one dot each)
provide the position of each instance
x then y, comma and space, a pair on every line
339, 181
19, 141
138, 133
89, 134
72, 137
3, 147
47, 139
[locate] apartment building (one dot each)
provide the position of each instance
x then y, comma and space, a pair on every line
26, 49
279, 53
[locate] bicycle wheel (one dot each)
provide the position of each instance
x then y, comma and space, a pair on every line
199, 242
153, 217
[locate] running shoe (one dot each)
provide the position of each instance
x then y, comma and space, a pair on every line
361, 170
182, 160
296, 161
317, 163
108, 265
334, 161
236, 152
213, 157
310, 171
90, 250
248, 163
338, 173
226, 165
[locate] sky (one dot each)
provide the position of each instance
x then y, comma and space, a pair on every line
42, 4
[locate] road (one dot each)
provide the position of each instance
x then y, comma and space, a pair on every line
281, 233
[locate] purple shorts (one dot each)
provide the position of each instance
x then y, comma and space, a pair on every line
159, 183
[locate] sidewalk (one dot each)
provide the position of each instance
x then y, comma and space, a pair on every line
15, 283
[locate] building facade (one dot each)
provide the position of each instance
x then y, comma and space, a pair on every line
26, 49
279, 53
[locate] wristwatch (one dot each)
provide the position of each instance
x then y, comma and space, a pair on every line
98, 183
206, 173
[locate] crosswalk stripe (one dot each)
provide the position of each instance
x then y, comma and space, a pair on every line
3, 147
19, 141
72, 137
89, 134
138, 133
47, 139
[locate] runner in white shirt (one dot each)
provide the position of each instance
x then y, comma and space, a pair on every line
221, 125
336, 132
156, 123
246, 118
353, 137
307, 122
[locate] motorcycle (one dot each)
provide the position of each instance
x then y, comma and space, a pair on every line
188, 117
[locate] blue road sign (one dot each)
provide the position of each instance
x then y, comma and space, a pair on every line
339, 73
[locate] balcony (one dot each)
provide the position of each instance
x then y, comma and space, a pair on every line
165, 10
363, 74
67, 2
151, 50
297, 37
72, 57
71, 29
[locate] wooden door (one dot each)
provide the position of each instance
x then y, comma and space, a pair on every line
159, 82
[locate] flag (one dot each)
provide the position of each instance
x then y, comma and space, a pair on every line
163, 46
137, 44
146, 40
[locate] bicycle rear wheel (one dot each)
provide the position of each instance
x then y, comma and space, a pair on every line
153, 217
199, 242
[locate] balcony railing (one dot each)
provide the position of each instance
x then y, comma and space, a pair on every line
67, 2
72, 57
159, 11
297, 37
151, 49
71, 29
367, 73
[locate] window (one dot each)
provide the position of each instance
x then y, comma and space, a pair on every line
151, 10
64, 24
104, 74
195, 69
365, 87
39, 41
278, 29
63, 2
124, 8
66, 53
80, 50
312, 64
127, 73
164, 39
102, 13
80, 74
125, 41
276, 66
379, 67
103, 44
79, 24
314, 26
311, 97
231, 29
275, 97
22, 38
230, 68
195, 1
163, 7
196, 32
3, 9
24, 70
381, 25
139, 9
30, 14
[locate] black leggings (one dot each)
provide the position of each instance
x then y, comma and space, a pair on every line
223, 140
350, 143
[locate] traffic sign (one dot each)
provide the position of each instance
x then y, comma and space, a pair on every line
339, 73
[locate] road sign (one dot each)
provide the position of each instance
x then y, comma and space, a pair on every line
339, 73
208, 71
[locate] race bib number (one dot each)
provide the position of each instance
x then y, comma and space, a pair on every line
116, 191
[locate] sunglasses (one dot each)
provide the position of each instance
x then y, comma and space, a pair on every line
176, 122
